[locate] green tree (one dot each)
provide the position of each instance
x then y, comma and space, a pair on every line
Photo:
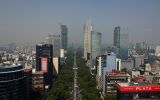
87, 82
61, 86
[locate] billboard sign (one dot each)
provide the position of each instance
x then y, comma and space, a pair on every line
147, 88
44, 64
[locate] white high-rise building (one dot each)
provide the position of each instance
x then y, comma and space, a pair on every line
87, 39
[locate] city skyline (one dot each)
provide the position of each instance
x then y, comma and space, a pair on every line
31, 21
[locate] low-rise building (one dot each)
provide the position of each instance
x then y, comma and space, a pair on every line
132, 91
38, 82
135, 73
127, 64
156, 79
114, 77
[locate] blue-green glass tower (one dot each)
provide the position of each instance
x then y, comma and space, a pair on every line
64, 37
96, 39
121, 42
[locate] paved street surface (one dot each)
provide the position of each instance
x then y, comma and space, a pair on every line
76, 93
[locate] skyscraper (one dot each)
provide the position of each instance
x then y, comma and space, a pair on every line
64, 37
121, 42
117, 36
87, 39
96, 44
55, 41
44, 56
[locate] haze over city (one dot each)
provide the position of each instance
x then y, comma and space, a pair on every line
31, 21
79, 50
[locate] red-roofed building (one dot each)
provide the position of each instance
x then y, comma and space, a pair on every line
114, 77
139, 79
126, 91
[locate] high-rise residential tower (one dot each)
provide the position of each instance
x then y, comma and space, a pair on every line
64, 37
121, 42
87, 39
96, 44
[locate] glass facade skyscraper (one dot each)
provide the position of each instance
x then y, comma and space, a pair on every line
117, 37
121, 42
96, 44
123, 51
64, 37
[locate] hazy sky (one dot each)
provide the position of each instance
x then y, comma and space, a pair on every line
31, 20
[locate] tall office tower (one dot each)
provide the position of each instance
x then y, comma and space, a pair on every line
64, 37
55, 41
121, 42
87, 39
117, 37
12, 82
96, 44
44, 62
